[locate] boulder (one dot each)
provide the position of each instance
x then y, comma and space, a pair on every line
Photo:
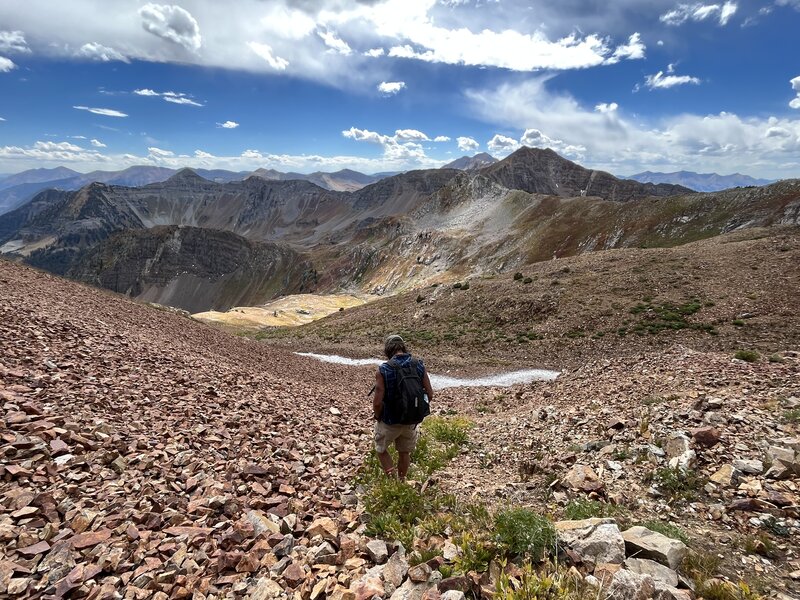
593, 540
679, 452
706, 437
582, 478
368, 587
377, 551
641, 542
724, 476
395, 569
627, 585
265, 589
326, 527
751, 467
657, 571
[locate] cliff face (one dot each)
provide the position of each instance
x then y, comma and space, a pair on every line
193, 268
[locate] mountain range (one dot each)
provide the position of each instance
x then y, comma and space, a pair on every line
702, 182
200, 244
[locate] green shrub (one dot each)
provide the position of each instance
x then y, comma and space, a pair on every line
389, 527
738, 322
447, 430
475, 554
388, 496
522, 532
792, 416
750, 356
678, 484
553, 583
586, 509
776, 358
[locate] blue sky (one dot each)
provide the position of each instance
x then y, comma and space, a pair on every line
383, 85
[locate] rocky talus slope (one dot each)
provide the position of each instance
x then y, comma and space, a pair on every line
148, 455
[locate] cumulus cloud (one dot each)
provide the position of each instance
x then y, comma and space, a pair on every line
403, 147
202, 154
228, 125
335, 43
621, 143
633, 50
390, 88
2, 119
441, 138
159, 153
172, 97
467, 144
700, 12
662, 81
95, 51
98, 144
796, 87
265, 52
6, 65
172, 23
106, 112
605, 107
13, 157
375, 52
13, 42
502, 145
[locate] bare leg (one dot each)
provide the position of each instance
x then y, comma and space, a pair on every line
403, 462
386, 462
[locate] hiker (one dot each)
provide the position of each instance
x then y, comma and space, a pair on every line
402, 399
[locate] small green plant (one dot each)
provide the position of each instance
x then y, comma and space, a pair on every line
552, 583
391, 528
423, 555
700, 566
522, 532
678, 484
518, 276
738, 322
776, 358
792, 416
668, 529
452, 430
750, 356
726, 590
475, 554
586, 509
761, 545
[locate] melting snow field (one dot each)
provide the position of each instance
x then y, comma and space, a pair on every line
443, 381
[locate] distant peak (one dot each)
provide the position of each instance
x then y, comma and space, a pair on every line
184, 175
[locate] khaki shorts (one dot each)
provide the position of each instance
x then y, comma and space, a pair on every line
403, 436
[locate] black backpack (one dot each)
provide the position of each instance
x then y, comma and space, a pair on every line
409, 404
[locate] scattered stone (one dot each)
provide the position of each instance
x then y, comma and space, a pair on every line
751, 467
641, 542
377, 551
657, 571
593, 540
582, 478
627, 585
706, 437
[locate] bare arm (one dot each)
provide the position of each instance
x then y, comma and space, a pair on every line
426, 383
377, 400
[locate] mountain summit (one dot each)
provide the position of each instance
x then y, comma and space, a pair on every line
702, 182
543, 171
470, 163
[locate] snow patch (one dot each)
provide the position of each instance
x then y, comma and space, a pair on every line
443, 381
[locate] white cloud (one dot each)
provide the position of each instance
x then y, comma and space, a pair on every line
633, 50
202, 154
13, 42
621, 143
2, 119
180, 99
265, 52
173, 97
441, 138
402, 147
604, 107
411, 135
700, 12
375, 52
335, 43
172, 23
662, 81
49, 153
6, 65
284, 22
95, 51
390, 88
467, 144
502, 145
228, 125
106, 112
795, 103
159, 153
98, 144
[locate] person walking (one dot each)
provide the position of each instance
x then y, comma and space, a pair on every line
403, 395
